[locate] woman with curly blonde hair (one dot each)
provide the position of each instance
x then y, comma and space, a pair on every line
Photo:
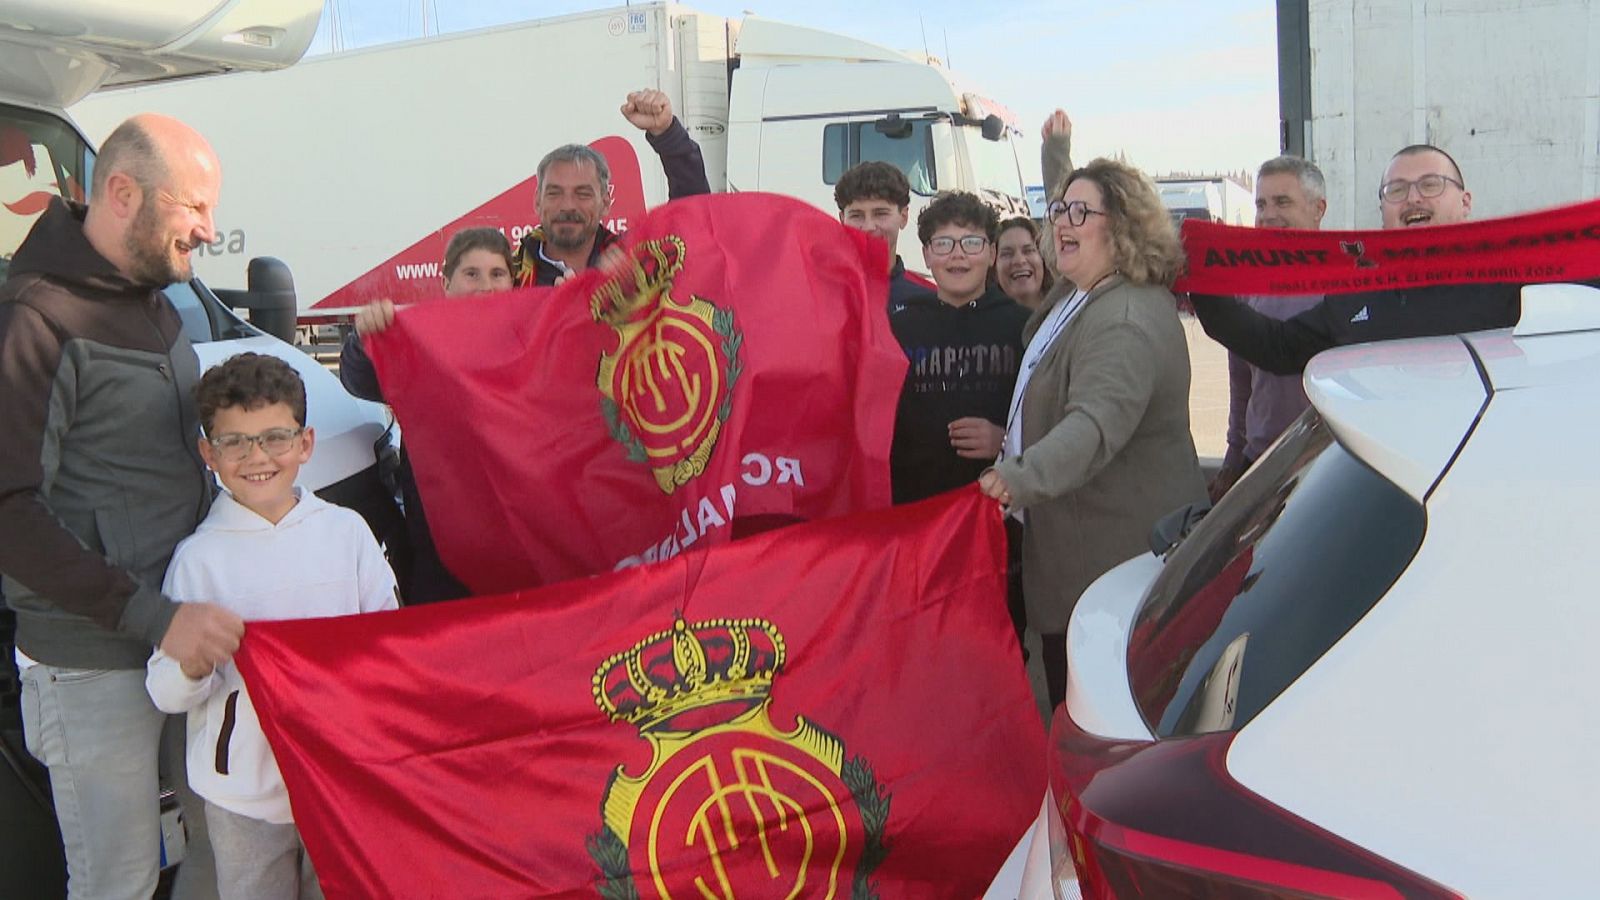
1097, 445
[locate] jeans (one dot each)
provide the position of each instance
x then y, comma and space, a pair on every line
99, 734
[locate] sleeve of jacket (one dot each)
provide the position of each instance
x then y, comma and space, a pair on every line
1239, 385
38, 395
172, 691
681, 160
356, 371
1056, 162
376, 579
1281, 347
1110, 381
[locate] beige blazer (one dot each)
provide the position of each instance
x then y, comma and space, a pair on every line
1106, 448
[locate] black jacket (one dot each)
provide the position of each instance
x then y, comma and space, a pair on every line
901, 286
100, 476
1284, 347
963, 363
685, 168
423, 577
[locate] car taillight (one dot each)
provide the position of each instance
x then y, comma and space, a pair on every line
1165, 819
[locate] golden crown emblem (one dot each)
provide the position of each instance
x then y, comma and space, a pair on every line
689, 677
638, 282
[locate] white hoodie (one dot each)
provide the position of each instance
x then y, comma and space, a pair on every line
319, 560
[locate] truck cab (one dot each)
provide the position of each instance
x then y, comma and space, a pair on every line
52, 53
799, 95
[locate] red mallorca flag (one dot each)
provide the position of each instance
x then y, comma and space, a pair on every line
836, 709
736, 365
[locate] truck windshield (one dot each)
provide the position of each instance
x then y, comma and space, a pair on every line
847, 143
41, 157
994, 163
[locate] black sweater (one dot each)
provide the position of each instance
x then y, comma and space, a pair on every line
963, 363
1284, 347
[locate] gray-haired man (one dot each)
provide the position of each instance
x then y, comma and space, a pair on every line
1290, 193
574, 184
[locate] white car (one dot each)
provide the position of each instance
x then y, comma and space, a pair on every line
1370, 671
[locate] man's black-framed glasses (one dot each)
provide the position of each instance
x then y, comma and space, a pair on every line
944, 245
1429, 186
275, 441
1076, 213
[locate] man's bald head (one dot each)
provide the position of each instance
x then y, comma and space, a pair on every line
151, 203
145, 148
128, 150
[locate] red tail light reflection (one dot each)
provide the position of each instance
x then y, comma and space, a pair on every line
1165, 819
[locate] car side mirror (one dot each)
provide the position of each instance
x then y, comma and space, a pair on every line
268, 297
1173, 527
993, 128
893, 126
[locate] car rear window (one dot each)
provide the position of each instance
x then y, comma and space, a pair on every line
1301, 548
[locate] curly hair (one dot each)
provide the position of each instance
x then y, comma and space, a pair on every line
469, 239
1144, 243
250, 381
1047, 278
872, 181
957, 208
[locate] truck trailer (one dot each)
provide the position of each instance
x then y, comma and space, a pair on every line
356, 167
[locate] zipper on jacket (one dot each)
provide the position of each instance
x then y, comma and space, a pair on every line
169, 371
230, 712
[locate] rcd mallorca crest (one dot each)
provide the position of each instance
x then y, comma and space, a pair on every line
730, 806
667, 387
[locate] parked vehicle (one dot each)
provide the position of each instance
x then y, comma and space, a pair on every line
1219, 199
1369, 671
356, 167
51, 53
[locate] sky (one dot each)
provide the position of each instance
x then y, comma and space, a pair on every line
1175, 85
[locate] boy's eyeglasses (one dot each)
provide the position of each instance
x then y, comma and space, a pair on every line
275, 441
945, 245
1429, 186
1076, 213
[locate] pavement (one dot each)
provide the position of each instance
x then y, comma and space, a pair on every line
1208, 392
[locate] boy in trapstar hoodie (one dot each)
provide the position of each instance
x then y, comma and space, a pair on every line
964, 343
266, 550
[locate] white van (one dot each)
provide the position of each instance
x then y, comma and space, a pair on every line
53, 52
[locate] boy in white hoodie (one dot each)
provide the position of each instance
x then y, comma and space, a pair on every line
267, 550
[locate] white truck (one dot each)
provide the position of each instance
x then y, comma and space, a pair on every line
52, 52
1509, 88
1219, 199
356, 167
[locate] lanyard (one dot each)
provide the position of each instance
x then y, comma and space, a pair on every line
1056, 327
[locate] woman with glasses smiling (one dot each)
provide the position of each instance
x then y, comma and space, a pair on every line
1097, 445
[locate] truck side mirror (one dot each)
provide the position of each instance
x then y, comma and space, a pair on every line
994, 128
269, 296
893, 126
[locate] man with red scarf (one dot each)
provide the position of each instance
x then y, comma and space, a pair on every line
1422, 186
